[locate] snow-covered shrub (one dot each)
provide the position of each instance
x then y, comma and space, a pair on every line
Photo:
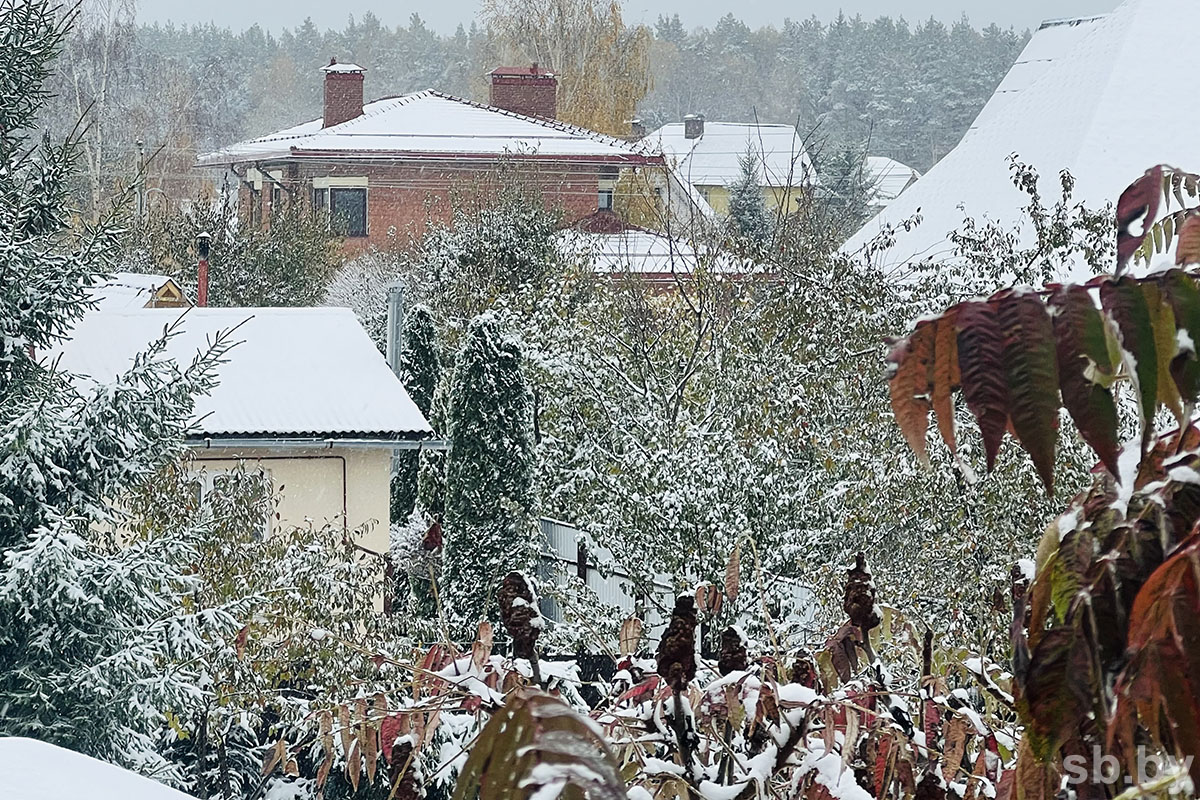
489, 470
86, 628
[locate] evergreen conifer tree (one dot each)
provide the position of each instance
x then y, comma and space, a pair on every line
489, 472
85, 627
748, 213
420, 368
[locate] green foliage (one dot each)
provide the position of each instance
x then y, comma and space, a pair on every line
85, 627
288, 263
420, 369
489, 470
497, 242
748, 215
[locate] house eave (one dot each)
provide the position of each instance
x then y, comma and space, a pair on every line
392, 156
259, 441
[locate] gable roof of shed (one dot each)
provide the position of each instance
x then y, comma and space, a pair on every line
1075, 100
433, 124
296, 373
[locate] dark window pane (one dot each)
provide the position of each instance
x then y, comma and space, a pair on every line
606, 200
348, 211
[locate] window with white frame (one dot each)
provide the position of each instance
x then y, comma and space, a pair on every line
344, 199
607, 187
348, 210
231, 490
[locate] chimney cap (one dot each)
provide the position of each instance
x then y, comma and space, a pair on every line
534, 70
336, 68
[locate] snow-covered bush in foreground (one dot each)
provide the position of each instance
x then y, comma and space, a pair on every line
875, 711
86, 628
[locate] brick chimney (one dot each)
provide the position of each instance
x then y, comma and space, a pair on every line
693, 126
531, 91
343, 92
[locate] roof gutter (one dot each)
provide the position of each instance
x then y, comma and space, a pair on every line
390, 156
314, 443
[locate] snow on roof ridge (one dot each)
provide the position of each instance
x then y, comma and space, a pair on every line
1060, 21
555, 124
232, 311
710, 122
384, 105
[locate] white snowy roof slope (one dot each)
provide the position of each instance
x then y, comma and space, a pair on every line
33, 770
430, 124
714, 158
125, 290
1086, 112
295, 372
888, 178
642, 252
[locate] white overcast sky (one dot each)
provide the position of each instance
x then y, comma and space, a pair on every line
444, 15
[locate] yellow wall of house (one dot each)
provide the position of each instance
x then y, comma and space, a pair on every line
311, 484
718, 197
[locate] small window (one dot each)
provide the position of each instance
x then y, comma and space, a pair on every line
218, 487
276, 198
320, 200
255, 209
348, 211
605, 202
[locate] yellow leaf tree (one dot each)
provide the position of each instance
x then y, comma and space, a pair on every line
603, 66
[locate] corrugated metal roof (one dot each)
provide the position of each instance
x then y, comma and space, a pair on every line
430, 123
295, 372
714, 158
1077, 99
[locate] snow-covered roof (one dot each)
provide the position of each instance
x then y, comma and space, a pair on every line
714, 157
125, 290
33, 770
297, 373
432, 124
1071, 102
642, 252
888, 178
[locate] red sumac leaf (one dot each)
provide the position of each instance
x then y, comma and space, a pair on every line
1137, 208
910, 366
1162, 319
1032, 369
1059, 687
1179, 290
946, 377
981, 365
1187, 251
1161, 682
955, 746
1125, 303
1082, 352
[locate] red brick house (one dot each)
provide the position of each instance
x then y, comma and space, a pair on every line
391, 166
